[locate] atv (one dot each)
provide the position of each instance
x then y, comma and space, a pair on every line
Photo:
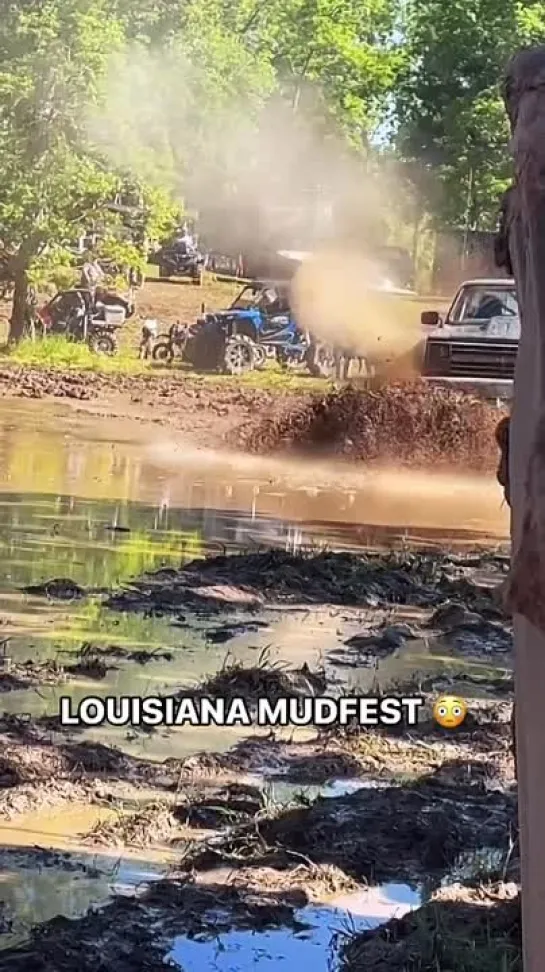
258, 327
177, 260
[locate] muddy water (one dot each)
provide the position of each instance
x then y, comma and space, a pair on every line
100, 502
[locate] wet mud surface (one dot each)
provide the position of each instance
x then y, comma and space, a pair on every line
204, 412
362, 580
424, 801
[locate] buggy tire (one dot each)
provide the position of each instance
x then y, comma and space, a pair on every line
103, 342
239, 356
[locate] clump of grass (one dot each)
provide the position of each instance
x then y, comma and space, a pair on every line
58, 352
465, 935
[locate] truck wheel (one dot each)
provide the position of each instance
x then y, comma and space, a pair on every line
239, 356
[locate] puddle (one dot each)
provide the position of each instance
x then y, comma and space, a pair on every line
101, 502
36, 886
314, 947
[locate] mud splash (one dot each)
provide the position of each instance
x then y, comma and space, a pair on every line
413, 424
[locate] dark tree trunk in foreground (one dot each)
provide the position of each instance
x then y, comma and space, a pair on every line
525, 102
17, 324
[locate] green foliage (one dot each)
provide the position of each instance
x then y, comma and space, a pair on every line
173, 96
452, 123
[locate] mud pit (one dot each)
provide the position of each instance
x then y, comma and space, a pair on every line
250, 825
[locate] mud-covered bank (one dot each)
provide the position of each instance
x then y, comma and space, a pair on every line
364, 580
204, 411
412, 425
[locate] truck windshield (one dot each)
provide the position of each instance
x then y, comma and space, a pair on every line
482, 302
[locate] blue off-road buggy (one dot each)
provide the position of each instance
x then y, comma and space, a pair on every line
258, 327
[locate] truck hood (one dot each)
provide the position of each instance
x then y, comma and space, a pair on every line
502, 328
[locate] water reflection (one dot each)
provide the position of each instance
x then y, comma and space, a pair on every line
36, 887
315, 947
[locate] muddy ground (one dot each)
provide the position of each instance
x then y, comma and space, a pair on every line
424, 803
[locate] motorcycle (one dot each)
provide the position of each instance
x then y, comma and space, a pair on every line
171, 345
78, 316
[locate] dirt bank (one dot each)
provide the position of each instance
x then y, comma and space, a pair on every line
469, 933
252, 581
205, 412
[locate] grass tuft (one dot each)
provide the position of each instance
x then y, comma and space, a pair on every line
58, 352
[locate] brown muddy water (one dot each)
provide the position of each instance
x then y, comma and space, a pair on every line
101, 502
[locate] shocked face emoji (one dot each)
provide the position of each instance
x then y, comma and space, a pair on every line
449, 711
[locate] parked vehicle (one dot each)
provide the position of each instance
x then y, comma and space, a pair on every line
76, 315
167, 347
176, 259
475, 347
259, 326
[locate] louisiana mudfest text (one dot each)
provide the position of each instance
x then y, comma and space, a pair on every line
190, 711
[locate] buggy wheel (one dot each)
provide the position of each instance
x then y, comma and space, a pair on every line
239, 356
103, 342
162, 351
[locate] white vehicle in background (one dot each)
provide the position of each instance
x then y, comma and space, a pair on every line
475, 347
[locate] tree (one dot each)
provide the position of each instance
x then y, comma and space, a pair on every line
451, 121
52, 56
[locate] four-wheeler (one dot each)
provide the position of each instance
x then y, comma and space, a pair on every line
259, 326
79, 316
176, 259
475, 347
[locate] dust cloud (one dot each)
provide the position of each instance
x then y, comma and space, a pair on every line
258, 165
337, 296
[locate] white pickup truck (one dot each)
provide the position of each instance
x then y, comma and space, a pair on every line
475, 347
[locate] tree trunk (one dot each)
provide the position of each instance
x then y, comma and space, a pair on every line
18, 320
526, 108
